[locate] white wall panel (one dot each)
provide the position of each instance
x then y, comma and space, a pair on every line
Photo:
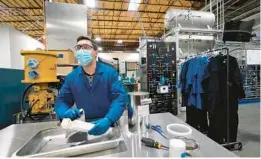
12, 42
129, 57
20, 41
5, 57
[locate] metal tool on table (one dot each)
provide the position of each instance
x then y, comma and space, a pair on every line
158, 129
152, 143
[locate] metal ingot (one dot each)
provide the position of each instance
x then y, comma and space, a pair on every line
140, 112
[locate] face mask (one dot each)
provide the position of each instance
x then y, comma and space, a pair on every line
84, 56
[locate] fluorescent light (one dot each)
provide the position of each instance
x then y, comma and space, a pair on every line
134, 5
120, 41
90, 3
99, 48
98, 39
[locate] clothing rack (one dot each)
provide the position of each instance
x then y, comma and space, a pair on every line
230, 145
228, 138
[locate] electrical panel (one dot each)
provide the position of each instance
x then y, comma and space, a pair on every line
251, 80
159, 76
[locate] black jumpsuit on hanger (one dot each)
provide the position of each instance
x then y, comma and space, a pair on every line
215, 97
194, 117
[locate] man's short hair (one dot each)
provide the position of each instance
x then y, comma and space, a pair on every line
95, 47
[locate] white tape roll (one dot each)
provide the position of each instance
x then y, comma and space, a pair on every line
175, 130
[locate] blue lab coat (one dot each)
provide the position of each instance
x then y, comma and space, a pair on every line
105, 98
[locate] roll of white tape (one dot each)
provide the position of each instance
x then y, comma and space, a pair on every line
175, 130
177, 148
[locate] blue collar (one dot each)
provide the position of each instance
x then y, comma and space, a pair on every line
99, 69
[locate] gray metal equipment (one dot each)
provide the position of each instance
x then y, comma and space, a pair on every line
188, 19
64, 23
53, 143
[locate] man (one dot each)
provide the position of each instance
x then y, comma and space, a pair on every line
94, 87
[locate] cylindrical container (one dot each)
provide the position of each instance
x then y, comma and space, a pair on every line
40, 66
140, 111
177, 148
189, 19
123, 122
143, 121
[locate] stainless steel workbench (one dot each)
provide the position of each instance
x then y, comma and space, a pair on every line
14, 136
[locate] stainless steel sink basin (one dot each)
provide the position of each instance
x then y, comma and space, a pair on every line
53, 143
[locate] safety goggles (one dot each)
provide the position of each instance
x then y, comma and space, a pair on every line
83, 46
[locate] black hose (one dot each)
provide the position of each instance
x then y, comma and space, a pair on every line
23, 97
29, 110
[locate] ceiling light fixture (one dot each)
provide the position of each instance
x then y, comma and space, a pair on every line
120, 41
134, 5
98, 39
89, 3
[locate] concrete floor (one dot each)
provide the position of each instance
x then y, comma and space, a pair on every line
248, 129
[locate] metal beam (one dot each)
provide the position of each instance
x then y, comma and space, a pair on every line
209, 6
21, 8
105, 9
108, 16
244, 15
124, 34
31, 29
19, 21
240, 8
149, 29
21, 16
124, 21
142, 3
254, 16
126, 10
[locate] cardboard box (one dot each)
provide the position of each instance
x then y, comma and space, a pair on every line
65, 57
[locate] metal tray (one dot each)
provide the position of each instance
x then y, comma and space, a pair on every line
53, 143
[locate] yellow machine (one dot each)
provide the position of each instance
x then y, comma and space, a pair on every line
40, 69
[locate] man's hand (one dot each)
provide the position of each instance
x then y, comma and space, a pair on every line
72, 113
101, 126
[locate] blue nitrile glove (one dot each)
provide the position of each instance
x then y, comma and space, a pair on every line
72, 113
101, 126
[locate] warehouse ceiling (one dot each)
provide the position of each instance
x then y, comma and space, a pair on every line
110, 19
